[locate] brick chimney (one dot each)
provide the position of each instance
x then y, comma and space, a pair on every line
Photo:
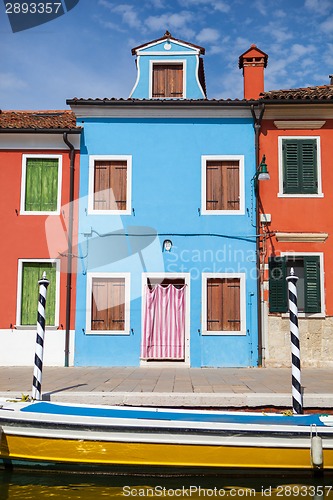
253, 62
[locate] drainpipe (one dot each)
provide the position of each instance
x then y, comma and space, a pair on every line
70, 245
257, 126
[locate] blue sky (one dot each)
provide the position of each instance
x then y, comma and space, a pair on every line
87, 52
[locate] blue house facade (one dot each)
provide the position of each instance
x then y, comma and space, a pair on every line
167, 236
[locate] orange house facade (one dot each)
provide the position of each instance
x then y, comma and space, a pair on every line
295, 223
39, 155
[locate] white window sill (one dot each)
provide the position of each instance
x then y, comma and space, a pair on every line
222, 212
106, 332
56, 212
206, 333
285, 195
109, 212
306, 315
34, 327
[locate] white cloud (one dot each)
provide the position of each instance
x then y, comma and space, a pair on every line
10, 81
214, 4
279, 13
208, 35
279, 33
327, 26
318, 6
129, 15
172, 22
260, 5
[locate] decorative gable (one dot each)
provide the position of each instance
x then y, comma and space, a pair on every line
169, 68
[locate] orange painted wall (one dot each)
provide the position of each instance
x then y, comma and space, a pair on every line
23, 236
300, 214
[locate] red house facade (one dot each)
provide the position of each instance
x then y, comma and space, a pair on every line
39, 155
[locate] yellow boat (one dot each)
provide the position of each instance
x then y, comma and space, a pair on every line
99, 437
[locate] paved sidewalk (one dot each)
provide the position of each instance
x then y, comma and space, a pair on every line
191, 387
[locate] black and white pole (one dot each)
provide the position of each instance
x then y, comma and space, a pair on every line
38, 368
295, 346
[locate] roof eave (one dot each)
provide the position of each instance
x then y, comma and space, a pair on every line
40, 131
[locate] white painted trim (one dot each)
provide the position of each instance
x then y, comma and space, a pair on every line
19, 290
240, 159
162, 62
159, 110
161, 53
302, 237
197, 77
281, 194
242, 277
161, 40
299, 124
92, 159
25, 141
138, 74
25, 157
163, 275
127, 278
322, 283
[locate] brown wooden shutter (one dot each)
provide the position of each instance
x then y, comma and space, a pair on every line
110, 185
167, 80
222, 185
108, 304
223, 304
214, 305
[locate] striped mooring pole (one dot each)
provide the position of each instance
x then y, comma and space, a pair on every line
295, 346
38, 367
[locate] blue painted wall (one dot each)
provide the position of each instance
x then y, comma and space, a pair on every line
166, 195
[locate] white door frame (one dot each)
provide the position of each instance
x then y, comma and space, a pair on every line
187, 278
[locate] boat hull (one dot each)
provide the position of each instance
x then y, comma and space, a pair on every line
100, 437
105, 453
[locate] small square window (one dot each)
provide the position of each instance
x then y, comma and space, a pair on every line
167, 80
223, 303
300, 173
308, 270
222, 185
110, 185
108, 304
41, 181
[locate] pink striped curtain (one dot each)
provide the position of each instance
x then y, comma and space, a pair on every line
164, 323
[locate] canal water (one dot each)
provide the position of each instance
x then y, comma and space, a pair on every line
39, 485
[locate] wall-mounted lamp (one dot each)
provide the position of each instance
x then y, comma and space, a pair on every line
167, 245
262, 172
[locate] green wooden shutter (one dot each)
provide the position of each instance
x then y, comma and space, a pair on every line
41, 191
31, 273
300, 166
33, 185
312, 284
49, 185
277, 284
309, 175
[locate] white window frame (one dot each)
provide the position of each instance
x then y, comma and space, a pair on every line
161, 276
25, 157
281, 194
92, 160
322, 314
18, 325
242, 277
240, 159
162, 62
90, 277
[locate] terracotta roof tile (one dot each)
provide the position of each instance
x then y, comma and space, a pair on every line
35, 120
319, 93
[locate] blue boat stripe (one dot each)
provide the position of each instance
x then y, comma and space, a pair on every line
50, 408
